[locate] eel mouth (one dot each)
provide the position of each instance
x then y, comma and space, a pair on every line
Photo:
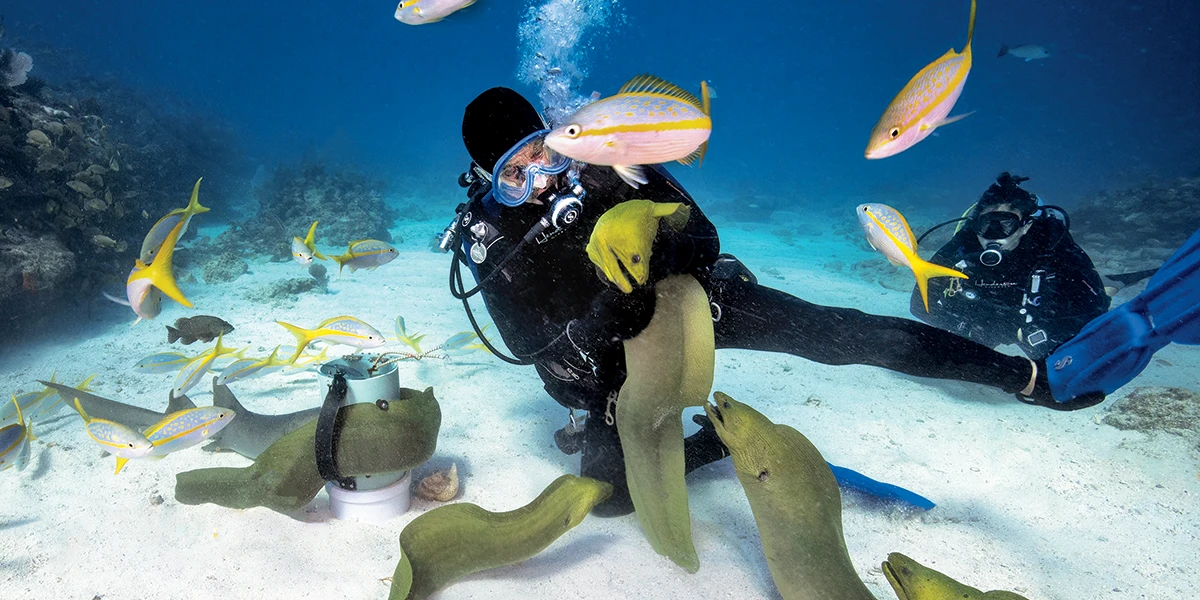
894, 578
714, 413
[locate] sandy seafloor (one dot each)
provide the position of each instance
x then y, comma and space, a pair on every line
1047, 504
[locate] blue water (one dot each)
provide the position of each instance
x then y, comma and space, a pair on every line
800, 84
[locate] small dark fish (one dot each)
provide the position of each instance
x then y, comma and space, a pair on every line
203, 327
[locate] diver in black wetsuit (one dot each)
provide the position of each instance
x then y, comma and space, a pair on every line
524, 239
1030, 283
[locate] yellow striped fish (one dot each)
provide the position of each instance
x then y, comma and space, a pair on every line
115, 438
186, 428
337, 330
14, 442
195, 369
888, 232
158, 233
648, 121
925, 103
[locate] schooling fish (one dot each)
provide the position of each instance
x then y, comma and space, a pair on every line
201, 327
157, 235
421, 12
251, 367
889, 233
186, 428
14, 442
1026, 51
925, 103
115, 438
338, 330
163, 362
648, 121
195, 369
146, 280
304, 250
365, 254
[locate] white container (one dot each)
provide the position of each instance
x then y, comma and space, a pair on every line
379, 496
372, 506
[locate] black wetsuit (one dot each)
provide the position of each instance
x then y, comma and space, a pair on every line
1038, 297
548, 285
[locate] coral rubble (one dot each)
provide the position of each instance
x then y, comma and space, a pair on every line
1139, 227
1152, 408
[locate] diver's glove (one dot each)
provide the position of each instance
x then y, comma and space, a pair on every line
622, 240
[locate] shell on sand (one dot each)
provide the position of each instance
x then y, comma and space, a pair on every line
439, 486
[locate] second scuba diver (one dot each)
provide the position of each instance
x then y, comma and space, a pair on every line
523, 235
1030, 283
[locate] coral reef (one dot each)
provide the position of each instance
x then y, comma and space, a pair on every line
348, 204
88, 185
1152, 408
1139, 227
224, 267
14, 67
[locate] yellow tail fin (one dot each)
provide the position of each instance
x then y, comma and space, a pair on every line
193, 207
923, 270
303, 337
970, 29
159, 272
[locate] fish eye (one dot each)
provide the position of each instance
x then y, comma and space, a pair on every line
894, 133
130, 444
572, 131
382, 404
762, 475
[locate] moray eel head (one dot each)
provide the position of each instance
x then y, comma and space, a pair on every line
742, 430
912, 581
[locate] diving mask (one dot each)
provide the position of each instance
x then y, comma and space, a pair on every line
997, 225
526, 167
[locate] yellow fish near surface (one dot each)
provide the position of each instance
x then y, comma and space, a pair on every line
925, 103
889, 233
421, 12
648, 121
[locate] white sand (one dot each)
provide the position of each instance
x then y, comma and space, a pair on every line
1051, 505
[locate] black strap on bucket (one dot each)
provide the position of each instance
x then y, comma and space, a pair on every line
326, 439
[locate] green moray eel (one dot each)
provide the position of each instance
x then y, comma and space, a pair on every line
455, 540
670, 367
284, 478
795, 501
913, 581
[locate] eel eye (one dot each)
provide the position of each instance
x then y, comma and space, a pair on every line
382, 404
894, 133
636, 258
572, 131
726, 404
762, 475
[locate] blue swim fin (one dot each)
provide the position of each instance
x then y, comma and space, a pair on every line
1116, 346
851, 479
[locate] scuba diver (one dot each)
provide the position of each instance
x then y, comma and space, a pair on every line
523, 234
1030, 283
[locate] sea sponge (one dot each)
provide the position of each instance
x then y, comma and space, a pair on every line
224, 267
14, 67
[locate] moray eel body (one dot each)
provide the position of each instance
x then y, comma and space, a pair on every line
455, 540
670, 367
284, 478
796, 504
913, 581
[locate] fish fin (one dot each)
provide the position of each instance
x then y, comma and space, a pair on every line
120, 465
923, 270
173, 335
970, 30
159, 272
695, 157
193, 205
706, 96
114, 299
302, 338
79, 409
1003, 50
947, 121
656, 85
631, 174
311, 237
178, 403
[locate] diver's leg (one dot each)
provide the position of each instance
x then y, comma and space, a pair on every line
756, 317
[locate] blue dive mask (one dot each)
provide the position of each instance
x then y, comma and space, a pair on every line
526, 166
